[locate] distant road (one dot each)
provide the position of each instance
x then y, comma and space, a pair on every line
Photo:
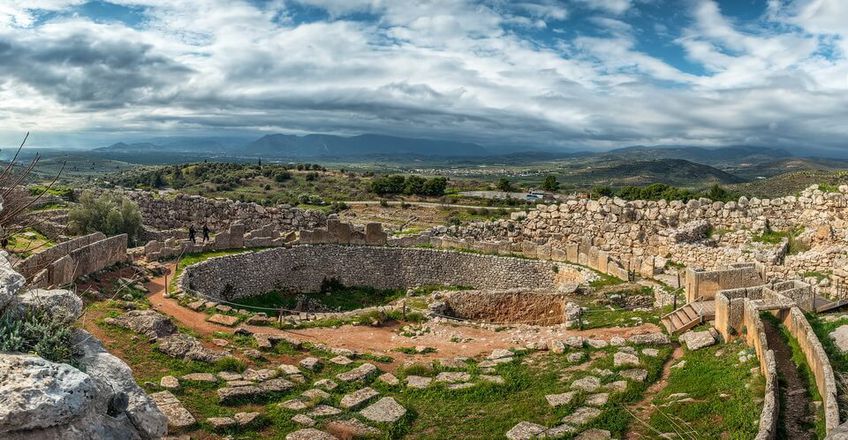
431, 205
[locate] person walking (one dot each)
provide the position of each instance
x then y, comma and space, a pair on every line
191, 234
205, 233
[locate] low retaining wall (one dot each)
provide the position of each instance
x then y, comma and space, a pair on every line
756, 338
304, 268
40, 261
818, 361
706, 284
83, 261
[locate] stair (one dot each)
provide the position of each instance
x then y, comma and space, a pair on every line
688, 316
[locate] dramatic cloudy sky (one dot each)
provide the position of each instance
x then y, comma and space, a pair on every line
586, 73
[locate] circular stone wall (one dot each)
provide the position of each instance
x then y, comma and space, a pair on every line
304, 268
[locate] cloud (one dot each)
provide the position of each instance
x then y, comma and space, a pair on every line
491, 71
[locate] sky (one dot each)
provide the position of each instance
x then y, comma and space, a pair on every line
587, 74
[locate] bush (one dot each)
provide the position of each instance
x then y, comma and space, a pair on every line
550, 183
37, 332
282, 176
505, 185
110, 214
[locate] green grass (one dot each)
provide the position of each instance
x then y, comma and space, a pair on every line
617, 317
806, 374
727, 397
605, 280
337, 298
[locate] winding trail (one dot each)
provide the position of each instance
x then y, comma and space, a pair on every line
793, 422
643, 409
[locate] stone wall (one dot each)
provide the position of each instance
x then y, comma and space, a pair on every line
700, 233
167, 210
756, 338
817, 360
82, 260
304, 268
703, 285
41, 260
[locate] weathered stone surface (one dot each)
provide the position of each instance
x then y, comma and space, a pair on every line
388, 379
840, 338
178, 416
326, 384
36, 393
169, 382
418, 382
499, 354
492, 378
650, 339
231, 394
304, 420
275, 386
288, 369
260, 374
310, 434
588, 384
560, 399
200, 377
62, 304
311, 363
220, 423
226, 320
358, 397
246, 418
352, 427
147, 322
453, 376
187, 347
697, 340
316, 394
230, 376
594, 434
525, 431
385, 410
323, 411
359, 373
599, 399
559, 431
636, 375
341, 360
624, 359
582, 416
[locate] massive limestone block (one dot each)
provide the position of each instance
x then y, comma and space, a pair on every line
62, 304
10, 283
147, 322
36, 393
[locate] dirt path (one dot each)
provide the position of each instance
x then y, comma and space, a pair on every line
643, 409
473, 341
794, 397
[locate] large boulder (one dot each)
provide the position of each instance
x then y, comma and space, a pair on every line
697, 340
840, 338
62, 304
36, 393
10, 283
187, 347
147, 322
114, 381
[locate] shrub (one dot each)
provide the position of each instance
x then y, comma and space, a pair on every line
110, 214
37, 332
550, 183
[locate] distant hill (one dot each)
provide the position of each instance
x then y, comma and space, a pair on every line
322, 145
675, 172
284, 146
718, 157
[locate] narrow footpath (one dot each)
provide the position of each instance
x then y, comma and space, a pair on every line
795, 415
643, 409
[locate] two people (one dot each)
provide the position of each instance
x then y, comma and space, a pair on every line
192, 233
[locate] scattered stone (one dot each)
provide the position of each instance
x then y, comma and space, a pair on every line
150, 323
359, 373
460, 386
499, 354
311, 363
556, 346
574, 341
259, 375
582, 416
453, 377
840, 338
594, 434
575, 357
560, 399
385, 410
169, 382
341, 360
525, 431
617, 341
200, 377
697, 340
221, 423
220, 342
650, 339
296, 404
588, 384
297, 378
310, 434
652, 352
618, 386
599, 399
418, 382
389, 379
559, 431
625, 359
254, 354
288, 369
229, 375
316, 394
457, 362
239, 383
246, 418
636, 375
358, 397
597, 343
230, 394
323, 411
304, 420
226, 320
326, 384
275, 386
178, 416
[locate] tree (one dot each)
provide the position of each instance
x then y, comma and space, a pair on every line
111, 214
436, 187
550, 184
414, 185
505, 185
